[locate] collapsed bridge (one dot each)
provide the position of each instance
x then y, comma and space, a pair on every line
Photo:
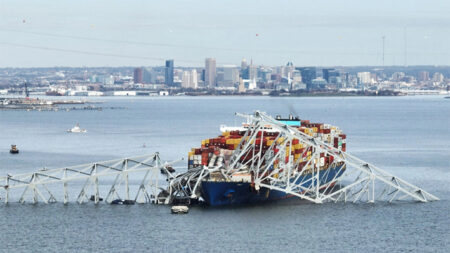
270, 168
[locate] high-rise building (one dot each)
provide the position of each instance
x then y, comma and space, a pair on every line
194, 81
230, 76
252, 72
327, 73
364, 77
203, 76
287, 70
244, 64
186, 79
424, 76
148, 76
138, 75
189, 79
169, 73
397, 76
438, 77
308, 75
210, 72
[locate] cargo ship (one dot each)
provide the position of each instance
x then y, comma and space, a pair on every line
240, 188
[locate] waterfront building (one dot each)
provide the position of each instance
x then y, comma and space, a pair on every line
169, 72
210, 72
138, 75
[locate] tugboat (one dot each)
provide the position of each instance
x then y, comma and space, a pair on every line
76, 129
14, 150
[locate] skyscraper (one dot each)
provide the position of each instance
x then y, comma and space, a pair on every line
169, 72
308, 75
424, 76
329, 73
193, 81
364, 77
230, 75
186, 80
210, 72
148, 76
244, 64
138, 75
189, 79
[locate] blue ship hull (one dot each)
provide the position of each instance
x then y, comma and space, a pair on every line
217, 193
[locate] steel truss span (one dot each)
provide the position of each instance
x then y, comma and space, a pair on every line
136, 178
140, 178
353, 180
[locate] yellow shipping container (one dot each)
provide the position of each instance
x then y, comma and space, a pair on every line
203, 142
230, 141
207, 141
226, 134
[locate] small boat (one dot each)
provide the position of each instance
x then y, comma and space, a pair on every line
180, 205
179, 209
76, 129
14, 150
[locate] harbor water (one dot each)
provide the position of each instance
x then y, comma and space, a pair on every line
407, 136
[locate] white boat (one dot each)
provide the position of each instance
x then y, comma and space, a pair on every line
179, 209
76, 129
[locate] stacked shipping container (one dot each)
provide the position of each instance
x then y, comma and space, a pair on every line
217, 151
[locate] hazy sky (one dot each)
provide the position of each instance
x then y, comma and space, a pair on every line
144, 33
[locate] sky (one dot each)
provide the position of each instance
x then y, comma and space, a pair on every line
81, 33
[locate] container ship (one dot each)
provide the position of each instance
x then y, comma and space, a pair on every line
240, 188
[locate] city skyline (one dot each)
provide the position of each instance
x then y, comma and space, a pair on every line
136, 33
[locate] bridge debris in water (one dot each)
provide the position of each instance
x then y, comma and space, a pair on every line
146, 179
108, 180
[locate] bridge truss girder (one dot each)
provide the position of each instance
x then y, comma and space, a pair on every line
46, 185
355, 180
